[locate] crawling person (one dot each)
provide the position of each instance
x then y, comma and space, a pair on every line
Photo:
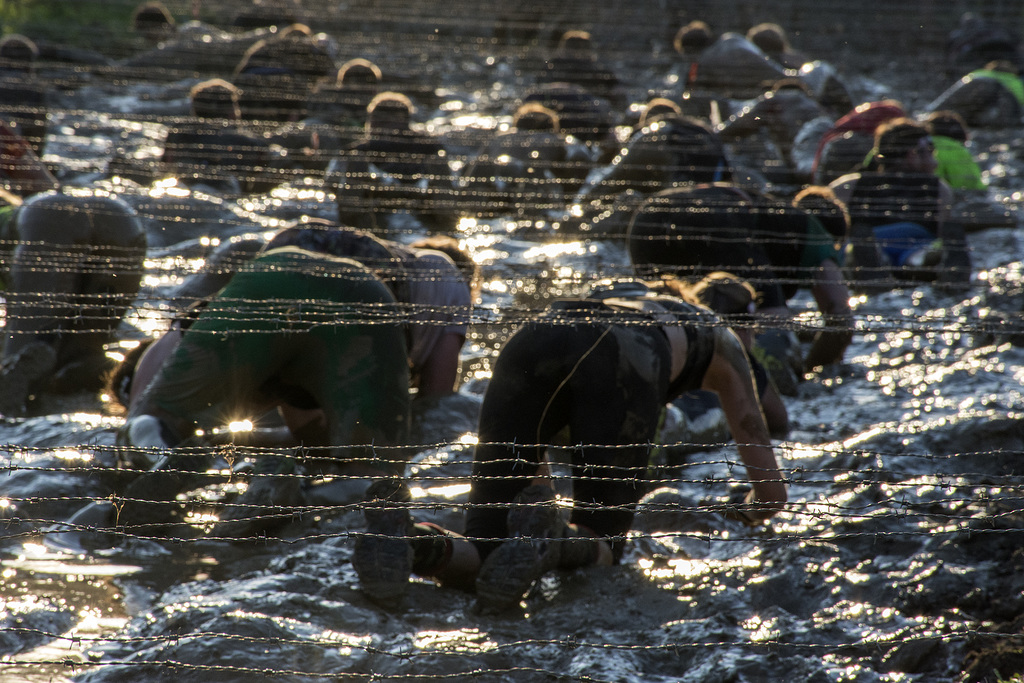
901, 227
603, 367
73, 262
293, 328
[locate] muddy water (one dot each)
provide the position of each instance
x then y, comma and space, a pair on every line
898, 553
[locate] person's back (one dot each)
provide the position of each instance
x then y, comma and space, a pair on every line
990, 97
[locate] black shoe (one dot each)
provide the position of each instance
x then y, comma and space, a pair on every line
509, 572
383, 555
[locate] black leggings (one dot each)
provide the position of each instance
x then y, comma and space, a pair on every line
607, 384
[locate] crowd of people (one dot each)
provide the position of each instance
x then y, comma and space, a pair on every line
333, 329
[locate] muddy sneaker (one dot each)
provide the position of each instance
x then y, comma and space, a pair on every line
509, 572
21, 372
383, 555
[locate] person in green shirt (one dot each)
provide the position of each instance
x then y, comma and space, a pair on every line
955, 164
991, 97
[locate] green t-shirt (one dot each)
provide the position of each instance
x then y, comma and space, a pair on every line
1008, 81
955, 164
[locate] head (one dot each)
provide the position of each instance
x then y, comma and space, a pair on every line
728, 295
534, 116
153, 21
656, 108
18, 53
823, 204
697, 152
948, 124
770, 38
359, 74
463, 259
1003, 66
731, 297
792, 84
389, 112
215, 99
693, 38
117, 385
904, 145
576, 44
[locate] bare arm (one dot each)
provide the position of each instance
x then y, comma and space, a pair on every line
20, 166
730, 377
439, 373
833, 299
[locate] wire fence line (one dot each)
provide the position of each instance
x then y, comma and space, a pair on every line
860, 493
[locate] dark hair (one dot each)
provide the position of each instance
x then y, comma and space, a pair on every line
823, 204
575, 41
792, 84
152, 18
692, 38
896, 138
769, 37
535, 116
657, 107
725, 293
118, 382
18, 51
449, 246
389, 106
359, 72
947, 124
1004, 66
215, 98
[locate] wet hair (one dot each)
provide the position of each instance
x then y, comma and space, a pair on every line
118, 382
692, 38
536, 117
449, 246
575, 41
719, 291
215, 98
152, 18
725, 293
1003, 66
360, 73
292, 51
947, 124
793, 84
896, 138
769, 37
823, 204
391, 106
658, 107
18, 52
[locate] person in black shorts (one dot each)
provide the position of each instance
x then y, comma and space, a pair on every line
603, 367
